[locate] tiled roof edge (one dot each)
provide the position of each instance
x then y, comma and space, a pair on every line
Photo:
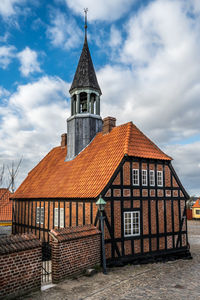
154, 145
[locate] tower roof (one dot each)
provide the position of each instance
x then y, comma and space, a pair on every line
85, 76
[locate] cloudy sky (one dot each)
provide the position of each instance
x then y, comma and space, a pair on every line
147, 58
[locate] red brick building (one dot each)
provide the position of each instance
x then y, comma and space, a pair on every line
145, 210
5, 211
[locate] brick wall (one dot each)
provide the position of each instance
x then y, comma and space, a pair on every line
155, 211
20, 265
74, 250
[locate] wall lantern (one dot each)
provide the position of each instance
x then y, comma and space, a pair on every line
101, 205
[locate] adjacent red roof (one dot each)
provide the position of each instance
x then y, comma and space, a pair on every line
88, 174
5, 205
197, 204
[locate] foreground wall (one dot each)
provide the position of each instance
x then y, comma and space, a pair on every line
20, 265
74, 250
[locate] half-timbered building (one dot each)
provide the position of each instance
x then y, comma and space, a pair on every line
145, 210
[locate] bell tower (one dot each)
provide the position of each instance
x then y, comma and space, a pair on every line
85, 121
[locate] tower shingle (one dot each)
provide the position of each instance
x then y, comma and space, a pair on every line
85, 76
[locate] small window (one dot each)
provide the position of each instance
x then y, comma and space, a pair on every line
151, 178
198, 211
159, 178
135, 176
131, 223
56, 213
144, 177
40, 215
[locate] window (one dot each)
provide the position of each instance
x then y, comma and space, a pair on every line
151, 177
135, 177
131, 223
144, 177
159, 178
40, 215
198, 211
56, 213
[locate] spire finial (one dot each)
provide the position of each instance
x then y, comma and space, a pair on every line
85, 11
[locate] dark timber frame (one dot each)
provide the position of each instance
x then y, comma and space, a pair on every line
79, 215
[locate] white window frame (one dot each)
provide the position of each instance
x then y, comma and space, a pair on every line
159, 178
39, 215
61, 217
144, 177
197, 211
135, 177
134, 217
151, 177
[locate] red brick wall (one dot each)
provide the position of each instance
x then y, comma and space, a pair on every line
23, 218
74, 255
125, 191
20, 272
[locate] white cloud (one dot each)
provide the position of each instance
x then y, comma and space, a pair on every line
4, 37
32, 121
101, 10
186, 163
155, 81
63, 31
7, 53
29, 61
10, 7
3, 92
158, 73
115, 37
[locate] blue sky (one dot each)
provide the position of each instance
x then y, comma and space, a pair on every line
146, 55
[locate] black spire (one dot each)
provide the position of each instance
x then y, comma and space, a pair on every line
85, 76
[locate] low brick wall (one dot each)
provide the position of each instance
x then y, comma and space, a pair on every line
74, 250
20, 265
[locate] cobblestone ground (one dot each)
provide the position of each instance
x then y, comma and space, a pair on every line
171, 280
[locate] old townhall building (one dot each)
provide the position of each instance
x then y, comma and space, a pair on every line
145, 210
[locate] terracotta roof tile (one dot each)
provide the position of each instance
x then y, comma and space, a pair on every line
5, 205
197, 204
87, 174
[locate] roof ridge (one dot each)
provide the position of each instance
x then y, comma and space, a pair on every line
128, 133
153, 144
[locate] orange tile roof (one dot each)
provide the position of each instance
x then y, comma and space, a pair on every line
197, 204
88, 174
5, 205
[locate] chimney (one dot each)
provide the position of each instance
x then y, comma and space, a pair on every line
108, 124
63, 140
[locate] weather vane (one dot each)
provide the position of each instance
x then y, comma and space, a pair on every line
85, 11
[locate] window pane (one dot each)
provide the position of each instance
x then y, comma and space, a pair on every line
38, 215
42, 215
159, 178
135, 174
55, 217
152, 177
131, 223
62, 217
144, 177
